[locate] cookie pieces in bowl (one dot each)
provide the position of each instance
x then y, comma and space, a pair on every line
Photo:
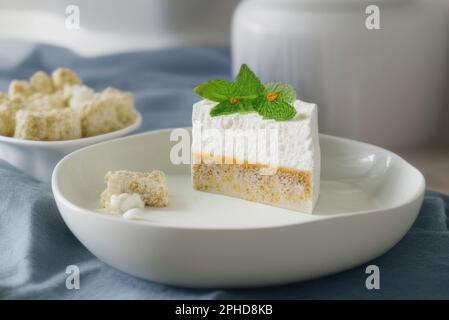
61, 107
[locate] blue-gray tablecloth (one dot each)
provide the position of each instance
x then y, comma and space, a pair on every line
36, 246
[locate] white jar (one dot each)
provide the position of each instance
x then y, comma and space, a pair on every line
384, 86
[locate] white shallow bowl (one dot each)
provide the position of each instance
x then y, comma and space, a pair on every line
369, 199
39, 158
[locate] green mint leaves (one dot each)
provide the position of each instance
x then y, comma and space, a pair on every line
248, 94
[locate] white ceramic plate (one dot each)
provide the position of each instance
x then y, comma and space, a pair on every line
369, 199
39, 158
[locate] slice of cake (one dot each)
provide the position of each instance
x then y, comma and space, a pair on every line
256, 142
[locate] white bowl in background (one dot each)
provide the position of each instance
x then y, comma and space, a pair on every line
369, 199
38, 158
387, 86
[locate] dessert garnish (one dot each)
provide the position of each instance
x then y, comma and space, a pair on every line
247, 94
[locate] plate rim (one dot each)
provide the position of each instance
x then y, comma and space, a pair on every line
417, 196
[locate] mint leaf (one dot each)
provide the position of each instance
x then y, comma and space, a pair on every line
245, 107
215, 90
285, 92
226, 108
276, 102
223, 108
248, 85
277, 110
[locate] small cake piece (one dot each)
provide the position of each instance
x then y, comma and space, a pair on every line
64, 124
41, 82
98, 116
7, 122
20, 88
8, 110
64, 76
42, 101
124, 105
3, 97
151, 186
107, 111
78, 95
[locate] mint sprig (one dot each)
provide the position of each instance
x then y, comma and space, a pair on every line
232, 97
248, 94
276, 102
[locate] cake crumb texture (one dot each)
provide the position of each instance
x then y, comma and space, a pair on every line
285, 188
